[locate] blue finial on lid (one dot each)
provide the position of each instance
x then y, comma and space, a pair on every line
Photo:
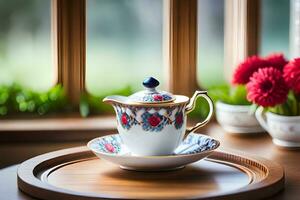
150, 94
150, 82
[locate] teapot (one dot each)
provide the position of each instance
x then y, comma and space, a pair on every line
153, 122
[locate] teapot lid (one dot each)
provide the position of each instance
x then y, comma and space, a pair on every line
150, 94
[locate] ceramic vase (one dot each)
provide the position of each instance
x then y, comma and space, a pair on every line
236, 119
285, 130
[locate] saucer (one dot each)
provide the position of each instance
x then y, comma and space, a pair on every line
195, 147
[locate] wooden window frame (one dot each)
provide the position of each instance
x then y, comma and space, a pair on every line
69, 42
183, 46
241, 32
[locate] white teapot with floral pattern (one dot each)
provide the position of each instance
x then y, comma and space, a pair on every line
153, 122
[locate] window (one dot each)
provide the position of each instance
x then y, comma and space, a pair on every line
114, 44
274, 27
25, 43
124, 44
210, 42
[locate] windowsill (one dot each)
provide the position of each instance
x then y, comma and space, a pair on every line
64, 123
60, 128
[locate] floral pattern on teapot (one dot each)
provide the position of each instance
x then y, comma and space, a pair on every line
156, 97
152, 119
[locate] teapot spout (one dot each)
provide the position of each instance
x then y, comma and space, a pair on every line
115, 99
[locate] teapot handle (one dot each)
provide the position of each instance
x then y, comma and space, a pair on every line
261, 118
191, 106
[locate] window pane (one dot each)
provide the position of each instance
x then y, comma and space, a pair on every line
274, 27
210, 42
124, 43
25, 43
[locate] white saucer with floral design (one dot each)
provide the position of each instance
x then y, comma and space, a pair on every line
192, 149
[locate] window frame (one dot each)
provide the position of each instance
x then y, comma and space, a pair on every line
69, 42
183, 46
241, 32
69, 45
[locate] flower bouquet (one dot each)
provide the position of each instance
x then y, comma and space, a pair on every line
275, 90
234, 108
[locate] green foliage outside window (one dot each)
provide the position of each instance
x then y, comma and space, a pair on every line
231, 95
16, 99
225, 93
90, 104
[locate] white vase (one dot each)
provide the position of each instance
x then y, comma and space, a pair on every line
236, 119
285, 130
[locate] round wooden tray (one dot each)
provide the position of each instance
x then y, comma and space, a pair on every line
77, 174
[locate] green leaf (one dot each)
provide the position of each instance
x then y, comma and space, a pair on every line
220, 93
3, 97
231, 95
84, 107
31, 106
292, 103
278, 109
238, 95
3, 110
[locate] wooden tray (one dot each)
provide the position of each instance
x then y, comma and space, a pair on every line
77, 174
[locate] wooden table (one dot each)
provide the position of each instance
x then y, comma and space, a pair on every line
260, 145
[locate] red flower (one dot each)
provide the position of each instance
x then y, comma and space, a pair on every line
267, 87
245, 69
179, 119
109, 147
124, 119
291, 74
154, 120
157, 97
276, 60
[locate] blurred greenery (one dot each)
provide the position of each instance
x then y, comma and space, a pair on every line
290, 108
235, 95
225, 93
91, 104
16, 99
201, 109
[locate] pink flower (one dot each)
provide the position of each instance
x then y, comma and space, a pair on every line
245, 69
154, 120
267, 87
276, 60
291, 74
